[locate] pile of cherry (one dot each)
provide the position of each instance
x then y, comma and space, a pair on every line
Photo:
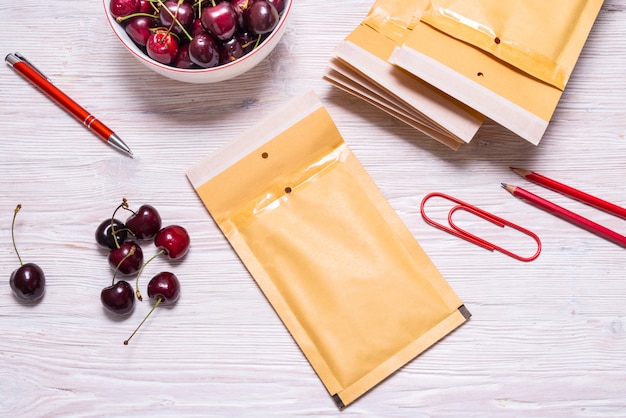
125, 255
197, 33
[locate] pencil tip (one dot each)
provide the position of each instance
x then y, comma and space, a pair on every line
520, 171
503, 185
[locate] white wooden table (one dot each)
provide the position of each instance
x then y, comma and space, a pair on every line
547, 338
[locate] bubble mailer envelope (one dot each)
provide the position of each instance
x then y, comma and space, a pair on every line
346, 277
510, 60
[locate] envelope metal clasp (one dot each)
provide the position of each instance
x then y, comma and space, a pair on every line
462, 233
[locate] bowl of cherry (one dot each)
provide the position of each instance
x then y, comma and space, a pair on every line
199, 41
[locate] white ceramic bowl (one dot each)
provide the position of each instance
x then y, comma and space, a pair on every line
204, 75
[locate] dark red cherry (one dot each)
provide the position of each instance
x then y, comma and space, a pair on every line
203, 51
124, 7
104, 233
182, 58
145, 223
146, 7
118, 298
220, 20
162, 46
138, 28
165, 286
182, 12
197, 28
278, 4
262, 17
248, 41
173, 240
28, 282
240, 6
127, 259
230, 50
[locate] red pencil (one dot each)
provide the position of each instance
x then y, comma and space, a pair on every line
571, 192
566, 214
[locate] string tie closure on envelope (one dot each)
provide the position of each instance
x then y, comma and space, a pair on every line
464, 234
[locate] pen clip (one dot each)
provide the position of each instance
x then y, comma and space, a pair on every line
16, 57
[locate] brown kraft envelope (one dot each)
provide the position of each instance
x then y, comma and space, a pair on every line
346, 277
510, 60
364, 55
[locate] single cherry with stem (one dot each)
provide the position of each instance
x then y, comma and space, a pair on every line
176, 15
164, 288
119, 298
162, 46
173, 241
144, 223
104, 233
203, 51
124, 7
220, 20
140, 27
261, 17
127, 257
28, 281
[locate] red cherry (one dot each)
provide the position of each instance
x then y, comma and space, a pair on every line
124, 7
138, 28
28, 282
173, 241
182, 12
164, 285
220, 20
164, 288
146, 7
162, 46
278, 4
230, 51
127, 259
118, 298
203, 51
262, 17
145, 223
182, 59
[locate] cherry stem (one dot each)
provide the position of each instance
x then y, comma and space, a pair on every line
137, 291
130, 252
17, 209
175, 19
120, 19
124, 205
258, 41
159, 300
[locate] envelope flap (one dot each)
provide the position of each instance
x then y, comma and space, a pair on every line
541, 38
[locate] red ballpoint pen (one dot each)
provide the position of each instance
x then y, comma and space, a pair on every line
36, 77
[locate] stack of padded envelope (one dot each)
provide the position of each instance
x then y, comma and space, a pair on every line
444, 66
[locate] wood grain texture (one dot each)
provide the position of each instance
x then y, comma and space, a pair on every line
547, 338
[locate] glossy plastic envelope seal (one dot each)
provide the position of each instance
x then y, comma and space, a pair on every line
542, 38
349, 281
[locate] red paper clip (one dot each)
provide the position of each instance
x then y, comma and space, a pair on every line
459, 232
